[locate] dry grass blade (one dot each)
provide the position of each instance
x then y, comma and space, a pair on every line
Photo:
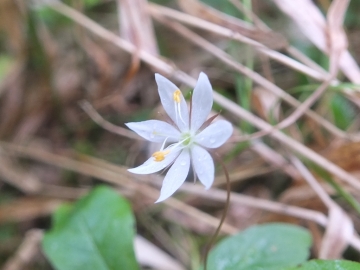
230, 34
294, 116
27, 209
227, 59
312, 23
339, 232
251, 15
150, 255
291, 143
15, 176
199, 10
115, 175
26, 252
274, 158
136, 25
340, 229
110, 176
97, 118
337, 38
239, 199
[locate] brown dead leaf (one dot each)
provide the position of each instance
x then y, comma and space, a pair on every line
346, 156
337, 235
266, 104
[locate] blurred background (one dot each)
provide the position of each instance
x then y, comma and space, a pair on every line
73, 72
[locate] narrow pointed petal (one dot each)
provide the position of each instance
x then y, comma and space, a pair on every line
215, 135
202, 101
166, 93
175, 176
155, 130
152, 166
203, 165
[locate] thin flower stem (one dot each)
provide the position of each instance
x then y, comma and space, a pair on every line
224, 214
97, 118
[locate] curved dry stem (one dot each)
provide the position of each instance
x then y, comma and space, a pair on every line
224, 214
97, 118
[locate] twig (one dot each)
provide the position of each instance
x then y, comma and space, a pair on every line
325, 198
225, 32
14, 176
97, 118
295, 115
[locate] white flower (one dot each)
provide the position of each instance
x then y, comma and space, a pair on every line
186, 138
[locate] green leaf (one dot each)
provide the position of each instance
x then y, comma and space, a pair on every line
265, 247
95, 234
328, 265
91, 3
342, 111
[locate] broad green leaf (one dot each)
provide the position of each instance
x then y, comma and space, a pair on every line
328, 265
265, 247
94, 234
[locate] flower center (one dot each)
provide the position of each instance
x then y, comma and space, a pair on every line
160, 155
186, 139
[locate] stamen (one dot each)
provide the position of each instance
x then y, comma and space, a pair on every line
194, 175
177, 99
160, 155
177, 96
163, 145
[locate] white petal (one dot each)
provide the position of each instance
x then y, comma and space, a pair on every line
203, 165
166, 92
202, 101
151, 166
215, 135
175, 176
155, 130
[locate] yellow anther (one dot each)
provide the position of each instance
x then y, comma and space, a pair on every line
177, 96
160, 155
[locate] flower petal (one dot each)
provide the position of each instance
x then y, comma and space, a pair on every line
202, 101
203, 165
215, 135
166, 93
151, 166
175, 176
155, 130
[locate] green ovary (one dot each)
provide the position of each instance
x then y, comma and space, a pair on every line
186, 138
